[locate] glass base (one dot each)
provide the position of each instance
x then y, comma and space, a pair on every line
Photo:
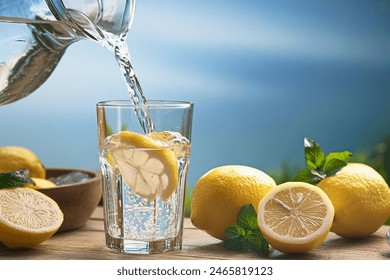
143, 247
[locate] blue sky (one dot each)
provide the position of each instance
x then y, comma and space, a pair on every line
262, 75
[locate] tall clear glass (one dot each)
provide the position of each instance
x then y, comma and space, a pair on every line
144, 174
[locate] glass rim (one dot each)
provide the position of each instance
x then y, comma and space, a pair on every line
153, 103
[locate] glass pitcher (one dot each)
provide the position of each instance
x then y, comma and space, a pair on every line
34, 35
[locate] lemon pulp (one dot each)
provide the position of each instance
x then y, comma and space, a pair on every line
27, 217
149, 167
295, 217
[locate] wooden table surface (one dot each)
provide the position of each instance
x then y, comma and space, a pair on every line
88, 243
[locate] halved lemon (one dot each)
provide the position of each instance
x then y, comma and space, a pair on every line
147, 166
295, 217
27, 217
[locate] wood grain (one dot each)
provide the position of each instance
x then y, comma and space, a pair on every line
88, 243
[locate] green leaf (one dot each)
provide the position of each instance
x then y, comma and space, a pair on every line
314, 155
319, 166
233, 244
309, 175
343, 156
256, 242
245, 235
247, 217
234, 231
305, 175
15, 179
333, 166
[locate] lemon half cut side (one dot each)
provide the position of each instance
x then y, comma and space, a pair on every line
147, 166
295, 217
27, 217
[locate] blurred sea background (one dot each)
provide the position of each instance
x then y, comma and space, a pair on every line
263, 74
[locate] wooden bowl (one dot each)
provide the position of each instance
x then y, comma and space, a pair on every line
78, 200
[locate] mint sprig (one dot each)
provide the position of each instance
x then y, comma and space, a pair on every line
15, 179
245, 235
318, 166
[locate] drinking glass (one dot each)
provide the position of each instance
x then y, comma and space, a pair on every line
144, 173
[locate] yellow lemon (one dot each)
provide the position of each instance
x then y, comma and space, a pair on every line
14, 157
147, 166
220, 193
295, 217
361, 198
27, 217
40, 184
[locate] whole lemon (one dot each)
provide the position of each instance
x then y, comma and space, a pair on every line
220, 193
40, 184
361, 198
14, 157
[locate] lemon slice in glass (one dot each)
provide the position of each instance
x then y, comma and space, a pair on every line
27, 217
147, 166
295, 217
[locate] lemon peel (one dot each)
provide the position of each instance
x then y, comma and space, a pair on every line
40, 184
15, 157
361, 198
220, 193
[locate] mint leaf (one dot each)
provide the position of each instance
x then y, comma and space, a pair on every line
333, 166
343, 156
234, 244
256, 242
234, 231
15, 179
319, 166
314, 155
245, 235
305, 175
309, 175
247, 217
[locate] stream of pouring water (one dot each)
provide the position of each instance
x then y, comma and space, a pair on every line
117, 44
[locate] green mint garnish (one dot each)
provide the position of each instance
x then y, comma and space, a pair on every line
246, 235
15, 179
318, 166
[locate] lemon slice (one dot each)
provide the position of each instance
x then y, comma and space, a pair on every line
147, 166
27, 217
295, 217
